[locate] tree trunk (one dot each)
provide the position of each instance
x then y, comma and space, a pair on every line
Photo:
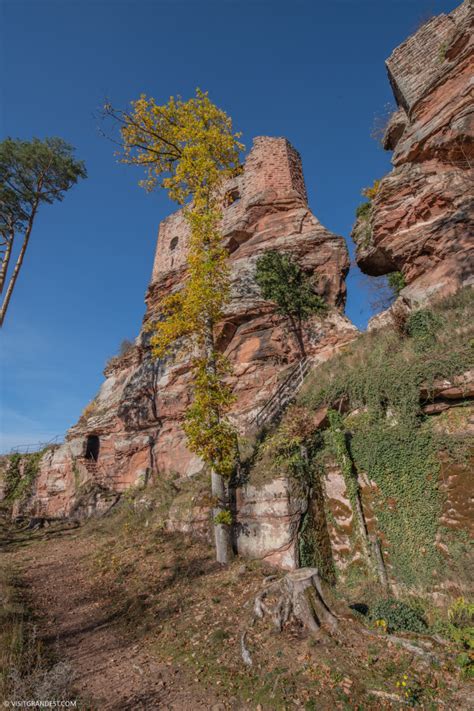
6, 259
222, 531
370, 544
380, 563
362, 525
298, 333
19, 262
298, 595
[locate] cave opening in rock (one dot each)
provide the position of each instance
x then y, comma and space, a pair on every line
231, 197
92, 447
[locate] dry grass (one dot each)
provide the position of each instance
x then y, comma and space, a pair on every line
168, 606
27, 669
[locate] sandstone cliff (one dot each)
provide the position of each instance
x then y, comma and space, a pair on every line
420, 221
132, 430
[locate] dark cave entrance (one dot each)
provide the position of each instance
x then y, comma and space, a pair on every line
92, 447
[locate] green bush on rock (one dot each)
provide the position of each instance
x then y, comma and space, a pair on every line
396, 282
423, 326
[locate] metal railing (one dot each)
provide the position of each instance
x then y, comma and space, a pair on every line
285, 393
36, 446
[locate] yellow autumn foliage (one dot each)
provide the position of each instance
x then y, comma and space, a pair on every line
189, 149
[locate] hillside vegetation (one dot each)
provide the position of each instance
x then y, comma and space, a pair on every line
389, 451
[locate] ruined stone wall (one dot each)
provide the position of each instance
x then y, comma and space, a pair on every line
273, 171
171, 249
415, 64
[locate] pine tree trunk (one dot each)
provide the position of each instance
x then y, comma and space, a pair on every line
6, 259
298, 333
19, 262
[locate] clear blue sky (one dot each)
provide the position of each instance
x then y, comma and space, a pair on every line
310, 70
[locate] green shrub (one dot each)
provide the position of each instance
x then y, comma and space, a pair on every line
18, 485
363, 210
423, 326
224, 517
460, 629
466, 662
461, 613
12, 476
398, 616
396, 282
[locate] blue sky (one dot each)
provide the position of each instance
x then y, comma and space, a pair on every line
309, 70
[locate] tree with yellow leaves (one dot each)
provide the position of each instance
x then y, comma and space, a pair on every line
189, 148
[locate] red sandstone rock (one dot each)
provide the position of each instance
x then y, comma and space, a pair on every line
459, 388
268, 519
421, 222
135, 421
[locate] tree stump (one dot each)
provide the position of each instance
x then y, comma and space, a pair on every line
298, 596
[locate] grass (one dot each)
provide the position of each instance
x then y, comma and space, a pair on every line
387, 360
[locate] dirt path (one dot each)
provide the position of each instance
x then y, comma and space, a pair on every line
110, 672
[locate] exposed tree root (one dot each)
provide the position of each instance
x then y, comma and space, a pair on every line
298, 596
427, 657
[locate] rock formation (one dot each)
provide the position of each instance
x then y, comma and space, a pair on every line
132, 430
417, 222
420, 221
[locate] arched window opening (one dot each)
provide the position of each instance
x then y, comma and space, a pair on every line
174, 243
92, 447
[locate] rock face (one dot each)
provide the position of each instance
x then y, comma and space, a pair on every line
420, 221
132, 430
270, 513
268, 519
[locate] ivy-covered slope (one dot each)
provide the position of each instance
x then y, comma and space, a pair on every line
365, 412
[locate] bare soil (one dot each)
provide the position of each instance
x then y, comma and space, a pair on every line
110, 671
